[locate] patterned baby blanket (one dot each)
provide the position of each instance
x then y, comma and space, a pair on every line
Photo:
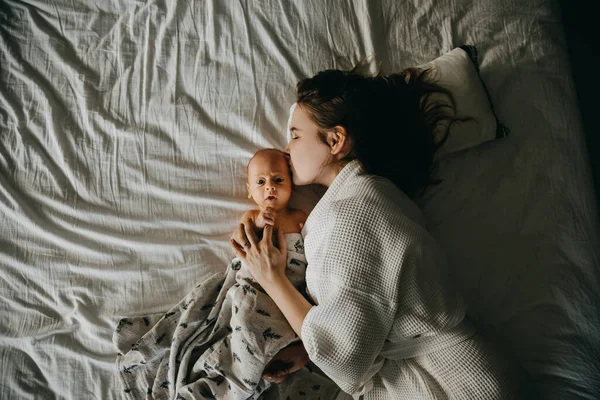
216, 342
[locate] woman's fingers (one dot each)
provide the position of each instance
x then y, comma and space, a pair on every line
268, 236
237, 241
296, 367
239, 235
239, 251
282, 246
250, 235
287, 361
277, 370
280, 375
275, 378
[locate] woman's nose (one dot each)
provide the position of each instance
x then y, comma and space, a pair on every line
287, 150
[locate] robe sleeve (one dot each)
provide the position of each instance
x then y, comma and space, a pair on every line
356, 282
344, 334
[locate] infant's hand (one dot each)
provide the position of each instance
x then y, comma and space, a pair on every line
266, 217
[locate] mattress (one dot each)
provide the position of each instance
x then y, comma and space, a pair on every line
126, 127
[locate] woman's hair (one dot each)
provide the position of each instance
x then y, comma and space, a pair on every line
390, 120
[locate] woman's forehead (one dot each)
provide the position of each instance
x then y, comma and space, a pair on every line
300, 121
298, 116
289, 121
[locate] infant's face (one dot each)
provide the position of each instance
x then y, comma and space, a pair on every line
269, 181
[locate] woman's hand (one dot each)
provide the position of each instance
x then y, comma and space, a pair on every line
289, 359
265, 260
239, 235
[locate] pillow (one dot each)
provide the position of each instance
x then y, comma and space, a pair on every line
458, 72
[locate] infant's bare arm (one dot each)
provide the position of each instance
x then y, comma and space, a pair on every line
294, 221
302, 216
249, 217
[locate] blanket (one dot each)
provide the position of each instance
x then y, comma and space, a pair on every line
216, 342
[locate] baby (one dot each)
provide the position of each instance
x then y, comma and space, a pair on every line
269, 184
218, 340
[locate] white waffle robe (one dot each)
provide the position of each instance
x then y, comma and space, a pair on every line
387, 323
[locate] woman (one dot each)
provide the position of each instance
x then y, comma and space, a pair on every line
385, 323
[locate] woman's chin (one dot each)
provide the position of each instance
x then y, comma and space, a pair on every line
299, 182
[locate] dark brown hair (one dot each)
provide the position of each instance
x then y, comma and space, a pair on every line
390, 120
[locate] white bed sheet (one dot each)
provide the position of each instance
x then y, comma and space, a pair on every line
126, 126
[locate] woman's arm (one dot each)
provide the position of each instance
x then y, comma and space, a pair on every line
344, 334
290, 301
267, 263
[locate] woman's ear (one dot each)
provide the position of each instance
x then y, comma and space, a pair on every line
337, 139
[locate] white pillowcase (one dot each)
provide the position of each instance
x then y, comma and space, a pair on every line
457, 71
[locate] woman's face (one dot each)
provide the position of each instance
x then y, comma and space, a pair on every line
308, 154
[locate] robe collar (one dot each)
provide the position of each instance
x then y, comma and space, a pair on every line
344, 178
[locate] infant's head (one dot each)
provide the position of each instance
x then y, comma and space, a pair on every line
269, 180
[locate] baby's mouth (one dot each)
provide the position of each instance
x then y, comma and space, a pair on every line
271, 198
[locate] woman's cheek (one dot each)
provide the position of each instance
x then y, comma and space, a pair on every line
297, 177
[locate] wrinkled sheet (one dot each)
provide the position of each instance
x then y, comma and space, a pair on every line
126, 127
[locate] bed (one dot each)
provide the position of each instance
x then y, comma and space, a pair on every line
126, 127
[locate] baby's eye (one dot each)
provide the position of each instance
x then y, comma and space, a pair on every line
278, 180
260, 181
